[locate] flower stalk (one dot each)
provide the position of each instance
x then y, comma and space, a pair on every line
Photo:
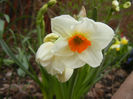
40, 24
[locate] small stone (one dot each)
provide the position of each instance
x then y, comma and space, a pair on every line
98, 85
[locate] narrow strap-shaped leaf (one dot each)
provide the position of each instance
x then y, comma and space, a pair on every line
2, 23
10, 53
94, 14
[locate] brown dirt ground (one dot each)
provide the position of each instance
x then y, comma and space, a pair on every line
15, 87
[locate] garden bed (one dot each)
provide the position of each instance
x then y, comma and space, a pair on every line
14, 87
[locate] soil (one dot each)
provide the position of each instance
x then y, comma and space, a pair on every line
108, 85
14, 87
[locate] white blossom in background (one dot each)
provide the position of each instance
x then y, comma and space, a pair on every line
115, 5
117, 8
124, 40
116, 45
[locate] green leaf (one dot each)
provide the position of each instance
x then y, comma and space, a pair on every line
8, 62
25, 39
20, 72
24, 59
108, 17
10, 53
2, 24
94, 14
7, 18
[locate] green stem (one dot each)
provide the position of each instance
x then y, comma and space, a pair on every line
109, 15
40, 24
44, 94
74, 84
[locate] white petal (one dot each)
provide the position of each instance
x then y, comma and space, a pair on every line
102, 36
63, 25
92, 57
57, 64
61, 48
44, 63
85, 25
54, 65
51, 70
72, 61
43, 53
65, 76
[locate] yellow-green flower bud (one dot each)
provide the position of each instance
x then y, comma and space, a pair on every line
117, 42
118, 49
52, 37
124, 41
51, 2
117, 8
115, 5
127, 4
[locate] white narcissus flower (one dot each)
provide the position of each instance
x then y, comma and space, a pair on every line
50, 62
81, 42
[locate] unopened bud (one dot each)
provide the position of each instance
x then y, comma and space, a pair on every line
51, 2
127, 4
115, 3
52, 37
117, 8
124, 41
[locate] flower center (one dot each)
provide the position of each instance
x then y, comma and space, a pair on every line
78, 43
